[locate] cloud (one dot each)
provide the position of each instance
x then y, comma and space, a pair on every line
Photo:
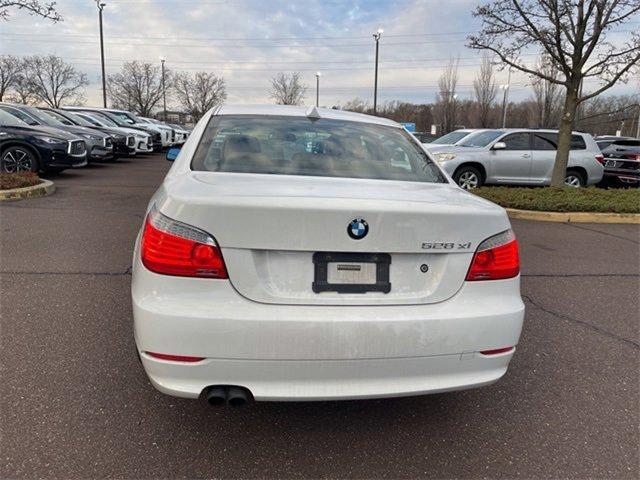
248, 41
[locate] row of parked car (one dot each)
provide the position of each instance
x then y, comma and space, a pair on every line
476, 157
53, 139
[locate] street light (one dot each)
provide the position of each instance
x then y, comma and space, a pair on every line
101, 6
317, 89
376, 37
505, 87
164, 91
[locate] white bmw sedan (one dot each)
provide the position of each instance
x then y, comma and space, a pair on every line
312, 254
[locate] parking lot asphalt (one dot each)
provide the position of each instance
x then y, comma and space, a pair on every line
75, 402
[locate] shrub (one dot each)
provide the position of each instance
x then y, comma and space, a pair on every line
18, 180
564, 199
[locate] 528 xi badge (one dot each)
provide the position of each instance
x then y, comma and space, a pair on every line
446, 246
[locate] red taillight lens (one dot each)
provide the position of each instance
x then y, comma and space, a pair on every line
170, 247
496, 258
600, 159
174, 358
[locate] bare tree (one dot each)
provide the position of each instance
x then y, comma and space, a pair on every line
446, 107
547, 95
356, 105
574, 35
197, 93
485, 90
33, 7
10, 68
288, 89
138, 87
53, 81
22, 90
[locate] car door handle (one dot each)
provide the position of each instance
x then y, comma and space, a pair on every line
526, 155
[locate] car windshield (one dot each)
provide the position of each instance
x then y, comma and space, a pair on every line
78, 119
90, 119
43, 117
6, 119
108, 120
452, 137
480, 139
55, 117
126, 118
284, 145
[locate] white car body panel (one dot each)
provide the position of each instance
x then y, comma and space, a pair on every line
265, 330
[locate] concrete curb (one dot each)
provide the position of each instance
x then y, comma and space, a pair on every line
46, 187
574, 217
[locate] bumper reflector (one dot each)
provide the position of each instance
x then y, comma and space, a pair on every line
497, 351
174, 358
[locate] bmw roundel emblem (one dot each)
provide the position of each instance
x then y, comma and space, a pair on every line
358, 228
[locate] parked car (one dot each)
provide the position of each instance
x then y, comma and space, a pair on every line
123, 142
168, 133
24, 148
303, 260
156, 136
143, 141
520, 157
180, 134
621, 161
99, 145
133, 120
450, 139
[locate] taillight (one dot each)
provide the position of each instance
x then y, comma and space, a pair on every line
600, 159
170, 247
496, 258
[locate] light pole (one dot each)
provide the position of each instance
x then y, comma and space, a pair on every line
376, 37
164, 91
505, 97
317, 89
101, 6
638, 125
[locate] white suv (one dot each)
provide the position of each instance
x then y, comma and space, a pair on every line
519, 157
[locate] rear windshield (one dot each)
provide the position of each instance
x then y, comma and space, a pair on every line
317, 147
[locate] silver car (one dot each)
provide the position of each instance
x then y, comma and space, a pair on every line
519, 157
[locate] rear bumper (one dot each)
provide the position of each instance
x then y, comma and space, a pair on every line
304, 352
308, 380
622, 176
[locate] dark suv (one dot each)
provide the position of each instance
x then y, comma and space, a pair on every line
24, 148
621, 161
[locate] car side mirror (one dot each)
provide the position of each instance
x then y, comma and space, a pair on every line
172, 154
499, 146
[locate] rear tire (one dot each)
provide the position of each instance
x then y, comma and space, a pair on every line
468, 178
574, 179
18, 159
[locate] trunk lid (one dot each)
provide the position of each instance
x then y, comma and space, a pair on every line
270, 226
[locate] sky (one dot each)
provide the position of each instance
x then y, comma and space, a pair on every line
249, 41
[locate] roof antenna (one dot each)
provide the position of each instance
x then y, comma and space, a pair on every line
312, 112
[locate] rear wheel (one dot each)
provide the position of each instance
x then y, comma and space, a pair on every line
574, 179
468, 177
18, 159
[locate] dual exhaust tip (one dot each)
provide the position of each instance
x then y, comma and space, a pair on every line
232, 396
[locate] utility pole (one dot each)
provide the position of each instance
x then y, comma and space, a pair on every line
164, 91
317, 89
505, 98
638, 124
101, 6
376, 37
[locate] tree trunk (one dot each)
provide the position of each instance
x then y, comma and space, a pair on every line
564, 137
